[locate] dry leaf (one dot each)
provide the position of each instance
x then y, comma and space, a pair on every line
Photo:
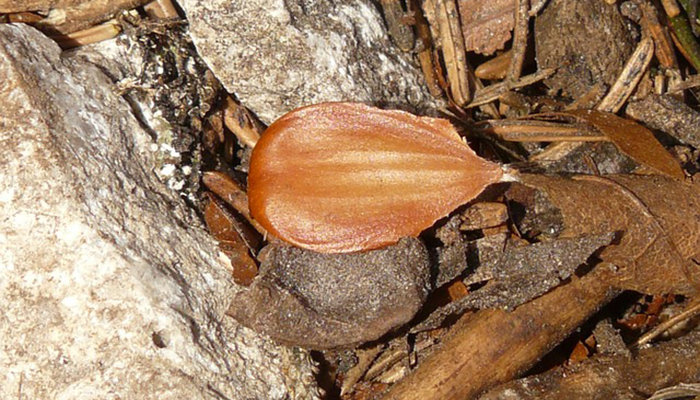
443, 15
634, 140
658, 219
629, 137
343, 177
230, 191
486, 25
222, 226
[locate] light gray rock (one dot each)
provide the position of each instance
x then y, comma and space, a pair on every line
109, 287
278, 55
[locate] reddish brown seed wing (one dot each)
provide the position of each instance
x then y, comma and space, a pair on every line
343, 177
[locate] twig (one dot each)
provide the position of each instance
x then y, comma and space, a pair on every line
401, 34
494, 346
630, 76
689, 83
161, 9
542, 131
683, 33
452, 43
616, 376
671, 7
365, 358
520, 31
82, 15
488, 108
226, 188
493, 92
693, 9
663, 45
24, 17
425, 55
677, 392
98, 33
692, 311
239, 121
536, 6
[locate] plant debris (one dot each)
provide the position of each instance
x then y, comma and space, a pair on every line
518, 274
323, 301
587, 41
347, 224
612, 376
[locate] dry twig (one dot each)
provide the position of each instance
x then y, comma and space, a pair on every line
519, 40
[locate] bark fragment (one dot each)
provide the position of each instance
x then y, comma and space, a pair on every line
668, 114
612, 376
586, 40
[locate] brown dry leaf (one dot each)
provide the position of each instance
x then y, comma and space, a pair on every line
343, 177
631, 138
222, 226
634, 140
658, 219
579, 353
230, 191
486, 25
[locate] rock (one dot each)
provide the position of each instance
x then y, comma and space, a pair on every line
109, 287
324, 301
169, 89
280, 55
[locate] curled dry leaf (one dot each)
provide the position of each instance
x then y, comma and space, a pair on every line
343, 177
234, 243
658, 219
